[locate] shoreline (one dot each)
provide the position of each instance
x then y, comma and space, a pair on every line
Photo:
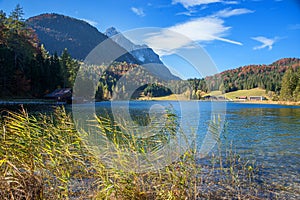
181, 98
165, 98
29, 101
286, 103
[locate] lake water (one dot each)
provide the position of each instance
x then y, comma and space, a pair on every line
269, 134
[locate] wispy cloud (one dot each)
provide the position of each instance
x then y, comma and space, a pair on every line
166, 42
202, 29
184, 35
231, 2
189, 12
232, 12
138, 11
91, 22
198, 30
266, 42
191, 3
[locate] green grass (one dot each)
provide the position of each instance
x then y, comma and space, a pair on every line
233, 95
172, 97
229, 95
214, 93
252, 92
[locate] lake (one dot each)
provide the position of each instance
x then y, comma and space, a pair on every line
268, 134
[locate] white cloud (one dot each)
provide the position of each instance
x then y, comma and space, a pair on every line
183, 35
192, 11
138, 11
231, 2
191, 3
200, 30
166, 42
232, 12
91, 22
266, 42
229, 41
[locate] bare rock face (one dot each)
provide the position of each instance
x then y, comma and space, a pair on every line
145, 55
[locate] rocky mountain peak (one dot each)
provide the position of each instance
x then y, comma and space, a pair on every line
111, 32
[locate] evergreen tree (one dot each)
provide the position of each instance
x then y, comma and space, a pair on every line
15, 19
55, 71
296, 92
288, 86
69, 68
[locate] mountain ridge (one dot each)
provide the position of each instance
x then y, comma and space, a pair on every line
58, 32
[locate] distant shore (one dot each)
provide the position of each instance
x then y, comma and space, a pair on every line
183, 98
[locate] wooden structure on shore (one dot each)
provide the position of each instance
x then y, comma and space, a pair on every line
256, 98
60, 95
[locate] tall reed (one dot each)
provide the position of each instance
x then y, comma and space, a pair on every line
45, 157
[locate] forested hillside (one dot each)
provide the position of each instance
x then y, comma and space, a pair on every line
59, 32
268, 77
27, 70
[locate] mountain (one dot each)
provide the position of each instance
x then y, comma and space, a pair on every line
141, 52
58, 32
148, 58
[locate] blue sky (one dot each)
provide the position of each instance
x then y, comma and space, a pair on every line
234, 33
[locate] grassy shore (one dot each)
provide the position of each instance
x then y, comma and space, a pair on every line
172, 97
231, 96
252, 92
